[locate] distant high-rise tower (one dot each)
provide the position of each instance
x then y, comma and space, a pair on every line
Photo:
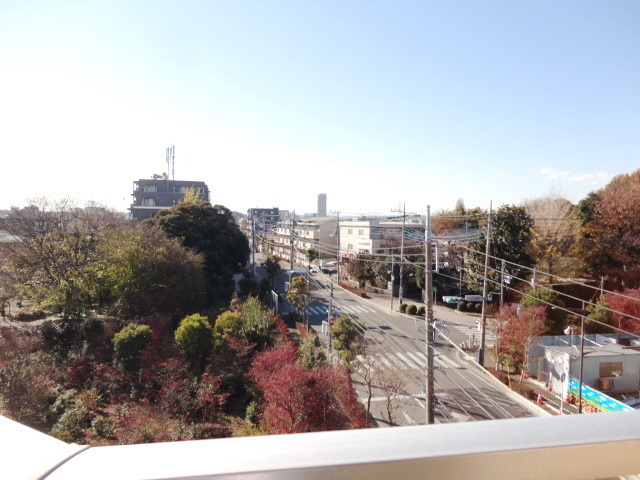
322, 205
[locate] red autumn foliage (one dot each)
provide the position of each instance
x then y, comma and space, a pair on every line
625, 307
299, 400
514, 329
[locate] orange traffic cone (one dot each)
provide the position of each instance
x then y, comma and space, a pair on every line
539, 399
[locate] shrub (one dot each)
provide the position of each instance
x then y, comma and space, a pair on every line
252, 412
470, 307
128, 344
30, 315
93, 327
71, 425
478, 307
194, 337
403, 307
412, 309
421, 310
461, 307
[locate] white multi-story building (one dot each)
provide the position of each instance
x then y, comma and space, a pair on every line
305, 233
378, 236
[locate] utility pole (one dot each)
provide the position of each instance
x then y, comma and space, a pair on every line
291, 232
253, 242
430, 339
391, 283
502, 285
581, 363
404, 219
485, 292
329, 315
338, 252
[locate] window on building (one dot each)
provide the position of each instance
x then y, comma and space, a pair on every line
610, 369
150, 188
361, 231
350, 246
148, 202
350, 231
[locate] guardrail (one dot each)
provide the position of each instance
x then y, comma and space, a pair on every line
557, 448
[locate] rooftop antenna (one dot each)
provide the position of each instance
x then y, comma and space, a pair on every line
171, 161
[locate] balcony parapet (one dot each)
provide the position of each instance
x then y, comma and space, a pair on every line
550, 448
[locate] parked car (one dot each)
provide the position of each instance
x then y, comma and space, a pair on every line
452, 299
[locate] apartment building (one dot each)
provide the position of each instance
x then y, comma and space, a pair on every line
317, 233
154, 194
377, 235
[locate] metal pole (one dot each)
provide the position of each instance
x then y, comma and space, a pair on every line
485, 292
430, 394
581, 363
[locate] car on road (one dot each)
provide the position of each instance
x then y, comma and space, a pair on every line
452, 299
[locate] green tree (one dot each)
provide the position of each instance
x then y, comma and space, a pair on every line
298, 293
272, 266
346, 334
312, 255
257, 322
600, 317
142, 271
128, 345
194, 337
212, 231
555, 315
310, 353
510, 235
53, 250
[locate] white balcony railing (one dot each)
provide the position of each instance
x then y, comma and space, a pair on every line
556, 448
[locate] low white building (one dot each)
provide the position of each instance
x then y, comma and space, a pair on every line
609, 365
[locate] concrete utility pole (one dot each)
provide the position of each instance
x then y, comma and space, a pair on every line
404, 219
338, 250
329, 315
581, 363
253, 243
291, 232
430, 338
502, 285
391, 283
485, 292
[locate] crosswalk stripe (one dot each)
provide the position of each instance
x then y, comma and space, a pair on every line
448, 362
405, 359
420, 360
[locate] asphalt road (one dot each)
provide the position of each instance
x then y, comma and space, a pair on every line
396, 347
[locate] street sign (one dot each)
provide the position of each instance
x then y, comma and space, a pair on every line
332, 320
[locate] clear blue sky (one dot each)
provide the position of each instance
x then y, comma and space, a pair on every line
271, 102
